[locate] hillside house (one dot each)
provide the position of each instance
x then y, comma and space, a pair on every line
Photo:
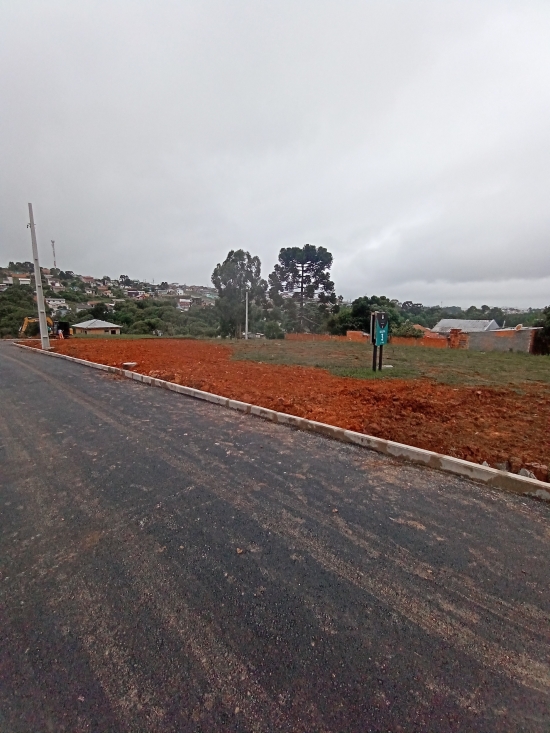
465, 325
97, 327
56, 303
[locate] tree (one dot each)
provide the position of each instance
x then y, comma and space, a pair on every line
408, 330
542, 337
16, 303
21, 267
238, 273
357, 318
99, 311
272, 330
305, 273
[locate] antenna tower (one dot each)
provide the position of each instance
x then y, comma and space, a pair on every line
53, 248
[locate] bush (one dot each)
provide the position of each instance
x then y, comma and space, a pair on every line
542, 337
15, 303
272, 330
200, 329
140, 327
407, 330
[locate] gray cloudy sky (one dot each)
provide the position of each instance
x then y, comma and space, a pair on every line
411, 138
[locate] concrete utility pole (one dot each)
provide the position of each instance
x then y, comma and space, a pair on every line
246, 318
39, 292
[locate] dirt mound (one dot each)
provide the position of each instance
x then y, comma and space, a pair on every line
496, 425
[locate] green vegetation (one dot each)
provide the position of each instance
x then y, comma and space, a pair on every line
27, 267
407, 329
357, 316
16, 303
237, 274
303, 273
429, 315
448, 366
300, 298
542, 338
272, 330
156, 317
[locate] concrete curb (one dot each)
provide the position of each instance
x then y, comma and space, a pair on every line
484, 474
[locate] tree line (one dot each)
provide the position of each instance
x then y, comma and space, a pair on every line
297, 296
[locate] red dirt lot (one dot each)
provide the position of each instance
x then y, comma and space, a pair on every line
475, 423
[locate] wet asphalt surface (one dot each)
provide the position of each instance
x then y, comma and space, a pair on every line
170, 565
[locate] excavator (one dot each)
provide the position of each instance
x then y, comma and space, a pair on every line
53, 327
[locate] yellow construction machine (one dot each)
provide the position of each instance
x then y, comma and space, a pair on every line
53, 327
23, 329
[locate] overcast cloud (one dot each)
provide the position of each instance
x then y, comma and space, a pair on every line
410, 138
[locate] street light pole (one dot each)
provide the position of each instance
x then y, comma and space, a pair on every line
38, 282
246, 317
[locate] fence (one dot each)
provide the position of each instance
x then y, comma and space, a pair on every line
498, 340
350, 336
429, 341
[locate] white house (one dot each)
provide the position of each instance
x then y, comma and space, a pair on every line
97, 327
56, 303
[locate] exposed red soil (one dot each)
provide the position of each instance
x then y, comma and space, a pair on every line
475, 423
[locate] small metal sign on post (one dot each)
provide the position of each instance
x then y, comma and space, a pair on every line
379, 332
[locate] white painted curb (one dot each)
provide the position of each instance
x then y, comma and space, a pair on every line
489, 476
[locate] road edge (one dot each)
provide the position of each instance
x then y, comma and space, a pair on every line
491, 477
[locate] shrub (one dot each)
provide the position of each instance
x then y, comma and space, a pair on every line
407, 330
140, 327
272, 330
542, 338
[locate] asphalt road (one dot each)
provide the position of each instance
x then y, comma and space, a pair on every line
170, 565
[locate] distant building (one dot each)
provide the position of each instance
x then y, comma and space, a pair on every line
184, 304
15, 279
465, 325
56, 303
97, 327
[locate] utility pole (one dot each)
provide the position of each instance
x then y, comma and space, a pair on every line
38, 282
53, 248
246, 317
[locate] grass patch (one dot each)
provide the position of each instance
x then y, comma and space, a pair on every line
447, 366
139, 336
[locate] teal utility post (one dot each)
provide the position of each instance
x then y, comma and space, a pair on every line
379, 333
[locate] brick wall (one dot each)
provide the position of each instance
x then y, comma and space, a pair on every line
458, 339
430, 342
506, 340
350, 336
